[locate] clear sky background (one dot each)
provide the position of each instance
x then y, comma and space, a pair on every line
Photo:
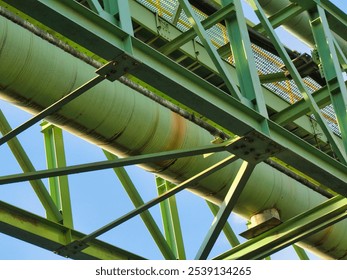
98, 197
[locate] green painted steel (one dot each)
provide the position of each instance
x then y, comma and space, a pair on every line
246, 69
292, 231
52, 236
227, 230
321, 97
190, 34
339, 151
206, 40
141, 159
95, 6
52, 210
146, 215
51, 109
171, 220
55, 156
225, 209
138, 114
301, 253
282, 16
84, 242
331, 68
216, 108
300, 26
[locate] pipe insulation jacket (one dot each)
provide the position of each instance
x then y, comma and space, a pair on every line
34, 74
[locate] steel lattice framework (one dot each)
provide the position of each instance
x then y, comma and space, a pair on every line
267, 107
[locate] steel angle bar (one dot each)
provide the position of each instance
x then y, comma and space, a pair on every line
281, 16
190, 34
341, 154
244, 59
22, 158
300, 108
225, 209
155, 157
205, 39
83, 243
291, 231
170, 219
177, 13
95, 6
55, 155
125, 22
228, 113
273, 77
227, 230
341, 56
51, 109
331, 68
49, 235
300, 252
146, 216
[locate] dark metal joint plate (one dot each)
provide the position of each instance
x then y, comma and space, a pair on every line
118, 67
71, 249
254, 147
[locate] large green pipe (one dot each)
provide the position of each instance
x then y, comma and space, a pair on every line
34, 74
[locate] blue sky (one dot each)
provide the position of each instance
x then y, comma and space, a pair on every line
98, 197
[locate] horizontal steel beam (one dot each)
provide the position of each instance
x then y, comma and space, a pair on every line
156, 157
51, 236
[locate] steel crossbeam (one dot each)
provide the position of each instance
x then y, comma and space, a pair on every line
155, 157
49, 235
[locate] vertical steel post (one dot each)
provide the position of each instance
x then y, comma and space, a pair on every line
126, 24
55, 156
244, 59
170, 218
331, 67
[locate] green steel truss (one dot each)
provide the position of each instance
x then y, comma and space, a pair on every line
235, 101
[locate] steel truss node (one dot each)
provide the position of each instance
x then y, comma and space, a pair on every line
277, 119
